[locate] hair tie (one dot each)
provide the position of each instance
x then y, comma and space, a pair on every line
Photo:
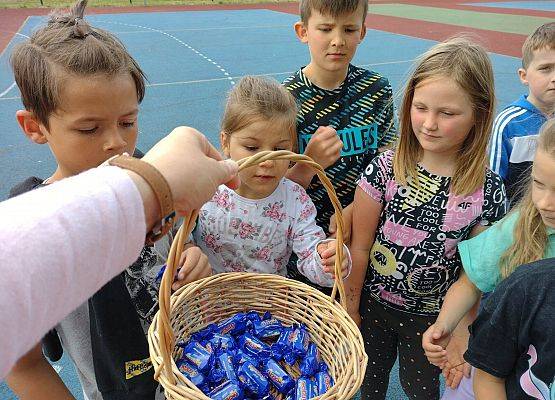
80, 28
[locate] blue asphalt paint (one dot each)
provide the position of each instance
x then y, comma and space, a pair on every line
186, 56
545, 5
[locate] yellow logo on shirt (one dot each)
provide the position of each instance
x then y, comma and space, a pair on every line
138, 367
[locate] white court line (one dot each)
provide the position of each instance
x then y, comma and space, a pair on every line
268, 74
222, 69
15, 34
7, 90
176, 83
210, 29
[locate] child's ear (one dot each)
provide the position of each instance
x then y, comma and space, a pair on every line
522, 76
224, 143
30, 125
362, 32
300, 30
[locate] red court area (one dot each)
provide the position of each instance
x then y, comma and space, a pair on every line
499, 42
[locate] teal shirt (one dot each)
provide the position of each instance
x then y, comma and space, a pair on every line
480, 255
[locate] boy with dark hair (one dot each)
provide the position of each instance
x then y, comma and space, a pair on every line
515, 129
345, 112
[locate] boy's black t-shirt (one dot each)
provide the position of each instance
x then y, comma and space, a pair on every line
514, 335
117, 313
361, 110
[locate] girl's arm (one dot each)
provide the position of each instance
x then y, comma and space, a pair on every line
305, 237
487, 386
366, 215
460, 299
33, 378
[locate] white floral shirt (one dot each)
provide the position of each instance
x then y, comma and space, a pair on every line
246, 235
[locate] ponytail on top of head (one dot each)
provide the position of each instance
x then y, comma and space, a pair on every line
68, 46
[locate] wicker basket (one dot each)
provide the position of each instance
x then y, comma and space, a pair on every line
209, 300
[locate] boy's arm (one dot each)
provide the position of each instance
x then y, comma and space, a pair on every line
324, 147
366, 215
33, 378
487, 386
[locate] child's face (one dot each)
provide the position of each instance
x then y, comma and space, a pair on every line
332, 41
441, 115
96, 119
540, 79
543, 186
259, 181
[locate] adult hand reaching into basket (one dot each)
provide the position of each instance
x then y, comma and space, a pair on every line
192, 166
80, 220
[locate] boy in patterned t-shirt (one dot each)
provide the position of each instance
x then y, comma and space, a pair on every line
345, 112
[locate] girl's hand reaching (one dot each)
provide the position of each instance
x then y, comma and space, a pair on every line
326, 250
192, 266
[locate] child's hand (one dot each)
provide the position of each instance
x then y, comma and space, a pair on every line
326, 250
454, 375
434, 342
458, 368
347, 219
324, 146
192, 267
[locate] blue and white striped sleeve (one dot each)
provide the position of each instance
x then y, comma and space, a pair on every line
500, 146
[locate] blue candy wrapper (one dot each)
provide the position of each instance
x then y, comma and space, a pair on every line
199, 356
253, 380
225, 362
227, 391
234, 325
277, 376
254, 347
281, 346
310, 363
324, 381
305, 389
299, 341
223, 342
191, 373
241, 357
216, 376
204, 334
268, 328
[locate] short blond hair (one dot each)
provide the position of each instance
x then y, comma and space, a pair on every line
256, 98
543, 37
468, 64
333, 8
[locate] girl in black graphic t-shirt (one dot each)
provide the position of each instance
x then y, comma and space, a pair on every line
414, 204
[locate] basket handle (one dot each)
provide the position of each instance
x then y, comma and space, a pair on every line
165, 333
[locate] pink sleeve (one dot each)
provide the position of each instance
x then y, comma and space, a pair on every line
58, 246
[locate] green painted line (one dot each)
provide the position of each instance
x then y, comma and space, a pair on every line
519, 24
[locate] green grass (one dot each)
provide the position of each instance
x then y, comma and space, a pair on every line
104, 3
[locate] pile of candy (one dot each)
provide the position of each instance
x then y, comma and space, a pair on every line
246, 357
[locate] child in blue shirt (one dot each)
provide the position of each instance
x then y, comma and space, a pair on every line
516, 127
